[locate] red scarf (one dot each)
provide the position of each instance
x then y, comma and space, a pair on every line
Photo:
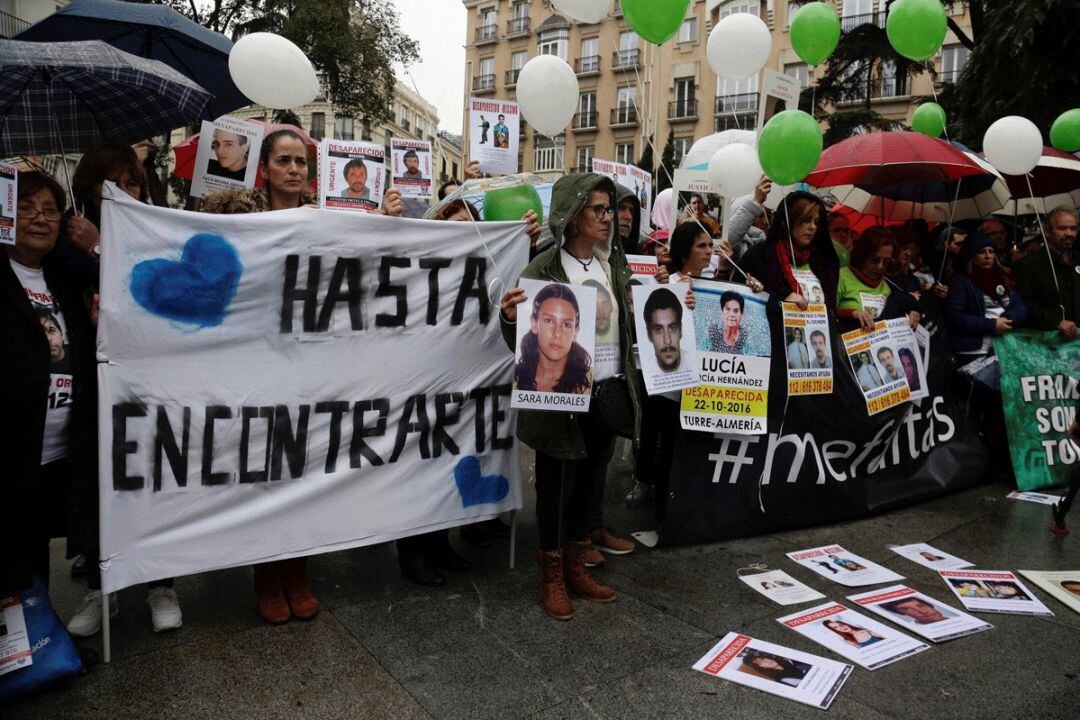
990, 280
865, 279
802, 257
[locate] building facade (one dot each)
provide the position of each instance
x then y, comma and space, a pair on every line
633, 92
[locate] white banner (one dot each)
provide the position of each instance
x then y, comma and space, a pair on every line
288, 383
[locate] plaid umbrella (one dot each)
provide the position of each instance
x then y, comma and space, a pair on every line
70, 96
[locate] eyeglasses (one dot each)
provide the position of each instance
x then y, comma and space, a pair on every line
600, 210
30, 212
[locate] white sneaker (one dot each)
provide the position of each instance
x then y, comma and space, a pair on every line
86, 622
164, 609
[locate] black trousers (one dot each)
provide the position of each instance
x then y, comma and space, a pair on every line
659, 424
1070, 495
54, 484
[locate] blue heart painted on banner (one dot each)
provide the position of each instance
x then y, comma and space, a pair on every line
197, 289
476, 488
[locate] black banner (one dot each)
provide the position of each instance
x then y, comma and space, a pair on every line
824, 459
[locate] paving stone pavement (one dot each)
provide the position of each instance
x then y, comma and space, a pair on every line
481, 647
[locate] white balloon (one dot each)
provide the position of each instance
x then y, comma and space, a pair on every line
739, 46
1013, 145
701, 152
547, 91
734, 170
586, 11
272, 71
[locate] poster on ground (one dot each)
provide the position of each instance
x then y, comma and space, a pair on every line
875, 362
929, 556
781, 588
667, 346
1040, 498
852, 635
808, 349
351, 175
411, 167
839, 565
734, 354
920, 613
494, 135
1039, 375
996, 591
556, 347
775, 669
227, 157
9, 202
1064, 585
14, 640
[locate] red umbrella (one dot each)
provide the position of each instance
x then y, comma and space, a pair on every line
857, 221
891, 158
185, 153
1054, 181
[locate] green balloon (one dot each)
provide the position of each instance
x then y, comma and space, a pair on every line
655, 20
789, 146
929, 119
916, 28
815, 31
512, 203
1065, 132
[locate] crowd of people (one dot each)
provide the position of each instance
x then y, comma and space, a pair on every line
979, 283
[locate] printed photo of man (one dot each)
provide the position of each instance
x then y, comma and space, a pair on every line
916, 610
412, 166
819, 344
1072, 586
889, 366
355, 174
230, 155
502, 133
663, 317
484, 127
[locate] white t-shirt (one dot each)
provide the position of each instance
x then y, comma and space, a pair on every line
58, 410
606, 359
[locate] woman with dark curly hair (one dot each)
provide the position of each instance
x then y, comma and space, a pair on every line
551, 358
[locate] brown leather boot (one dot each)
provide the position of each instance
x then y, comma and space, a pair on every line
552, 588
272, 605
578, 578
294, 578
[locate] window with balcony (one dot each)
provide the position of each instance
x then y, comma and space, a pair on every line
488, 29
736, 95
548, 155
953, 59
861, 12
586, 116
685, 105
485, 80
624, 153
554, 42
688, 31
628, 55
517, 61
519, 23
740, 6
589, 60
318, 126
405, 116
585, 157
343, 128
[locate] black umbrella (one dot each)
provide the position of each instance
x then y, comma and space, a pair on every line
156, 32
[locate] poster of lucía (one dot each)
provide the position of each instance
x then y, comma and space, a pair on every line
852, 635
351, 175
493, 135
666, 343
808, 349
920, 613
411, 167
227, 157
876, 363
9, 194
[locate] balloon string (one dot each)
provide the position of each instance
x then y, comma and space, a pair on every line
948, 231
945, 127
1049, 256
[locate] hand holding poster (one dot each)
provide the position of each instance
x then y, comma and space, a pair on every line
775, 669
410, 167
853, 635
228, 155
351, 175
997, 591
846, 568
808, 349
1063, 585
919, 613
781, 588
493, 135
9, 194
556, 344
929, 556
734, 350
668, 359
874, 360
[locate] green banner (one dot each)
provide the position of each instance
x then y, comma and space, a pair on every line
1039, 373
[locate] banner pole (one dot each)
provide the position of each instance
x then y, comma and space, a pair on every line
513, 537
106, 630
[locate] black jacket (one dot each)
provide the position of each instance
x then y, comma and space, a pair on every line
1035, 283
25, 368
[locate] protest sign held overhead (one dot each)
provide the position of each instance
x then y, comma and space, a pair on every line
808, 348
876, 364
781, 588
228, 156
493, 135
411, 167
734, 349
1064, 585
996, 591
556, 347
351, 175
775, 669
9, 192
929, 556
920, 613
852, 635
239, 406
846, 568
667, 344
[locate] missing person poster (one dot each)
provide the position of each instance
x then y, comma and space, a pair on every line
909, 356
734, 350
9, 204
667, 345
1040, 498
642, 269
607, 168
1064, 585
411, 167
351, 175
808, 348
556, 347
929, 556
919, 613
775, 669
996, 591
853, 635
846, 568
640, 181
493, 135
875, 361
14, 640
228, 155
781, 588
